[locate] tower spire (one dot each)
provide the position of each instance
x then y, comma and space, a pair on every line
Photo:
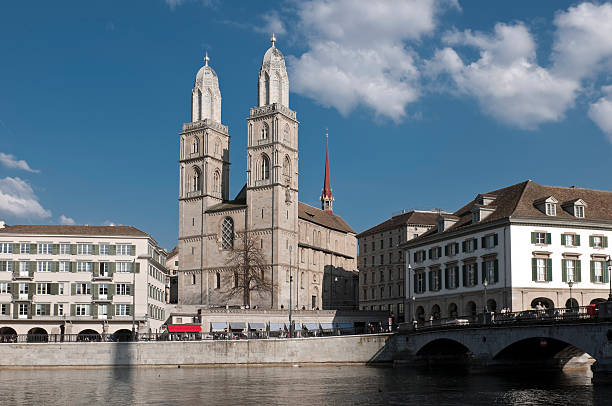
206, 59
273, 39
327, 200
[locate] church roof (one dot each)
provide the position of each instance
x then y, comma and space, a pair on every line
323, 218
239, 202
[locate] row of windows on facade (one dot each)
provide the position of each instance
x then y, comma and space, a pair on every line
571, 270
382, 243
264, 133
451, 249
67, 248
195, 146
157, 274
236, 279
574, 208
100, 291
489, 272
102, 269
390, 307
382, 259
390, 273
569, 239
101, 311
399, 288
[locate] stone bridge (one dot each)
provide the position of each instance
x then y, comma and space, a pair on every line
489, 346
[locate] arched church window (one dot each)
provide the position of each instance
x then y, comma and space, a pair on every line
267, 88
208, 105
276, 89
199, 105
286, 133
265, 131
287, 167
314, 237
195, 146
217, 182
227, 233
193, 279
217, 280
217, 148
196, 180
265, 168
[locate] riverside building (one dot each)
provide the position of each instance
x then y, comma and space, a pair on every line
381, 261
294, 237
59, 279
517, 247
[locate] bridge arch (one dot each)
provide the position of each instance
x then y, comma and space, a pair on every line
544, 351
444, 351
542, 301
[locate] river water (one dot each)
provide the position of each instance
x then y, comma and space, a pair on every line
304, 385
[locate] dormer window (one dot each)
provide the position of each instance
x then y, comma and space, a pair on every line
475, 216
551, 209
579, 211
547, 205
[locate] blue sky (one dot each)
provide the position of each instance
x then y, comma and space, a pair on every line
427, 102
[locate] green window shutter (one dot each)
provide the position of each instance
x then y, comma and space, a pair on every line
606, 273
414, 285
137, 267
54, 266
592, 271
112, 250
495, 240
31, 289
429, 276
15, 269
55, 309
577, 240
562, 239
95, 249
439, 252
15, 310
475, 244
33, 249
16, 248
15, 290
464, 272
73, 310
483, 242
563, 270
457, 247
534, 269
95, 267
133, 250
496, 270
32, 267
549, 270
73, 267
430, 253
446, 251
95, 292
73, 249
590, 241
463, 246
111, 291
54, 288
48, 309
55, 249
111, 269
73, 289
605, 242
533, 237
446, 271
578, 271
548, 238
31, 310
94, 310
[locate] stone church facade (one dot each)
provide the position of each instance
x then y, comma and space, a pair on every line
315, 241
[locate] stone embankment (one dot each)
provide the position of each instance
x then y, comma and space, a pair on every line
369, 348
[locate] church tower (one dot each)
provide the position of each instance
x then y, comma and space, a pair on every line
272, 171
327, 200
204, 167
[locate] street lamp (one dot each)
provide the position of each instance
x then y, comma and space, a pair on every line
408, 291
485, 283
608, 266
413, 306
571, 300
290, 291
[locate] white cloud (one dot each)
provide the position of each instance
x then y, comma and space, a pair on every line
19, 200
506, 78
358, 53
601, 112
108, 223
583, 40
66, 220
10, 161
272, 24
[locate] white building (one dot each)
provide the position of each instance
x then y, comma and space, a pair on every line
80, 279
530, 243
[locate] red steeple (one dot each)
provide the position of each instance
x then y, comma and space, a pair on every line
326, 196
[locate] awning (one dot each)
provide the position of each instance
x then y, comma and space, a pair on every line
218, 326
277, 326
345, 325
257, 326
311, 326
237, 325
297, 326
184, 328
327, 326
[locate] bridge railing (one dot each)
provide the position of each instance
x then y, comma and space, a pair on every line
547, 316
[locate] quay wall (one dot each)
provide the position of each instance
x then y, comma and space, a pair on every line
335, 349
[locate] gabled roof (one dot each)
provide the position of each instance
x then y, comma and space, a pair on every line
426, 218
518, 201
114, 231
323, 218
238, 203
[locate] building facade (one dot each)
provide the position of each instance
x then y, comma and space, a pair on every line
519, 247
291, 234
80, 279
381, 261
172, 265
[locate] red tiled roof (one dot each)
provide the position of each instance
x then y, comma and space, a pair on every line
411, 217
74, 230
323, 218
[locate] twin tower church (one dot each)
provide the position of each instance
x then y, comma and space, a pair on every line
315, 246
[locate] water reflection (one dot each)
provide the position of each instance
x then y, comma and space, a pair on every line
359, 385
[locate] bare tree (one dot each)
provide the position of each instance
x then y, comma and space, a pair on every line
248, 264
